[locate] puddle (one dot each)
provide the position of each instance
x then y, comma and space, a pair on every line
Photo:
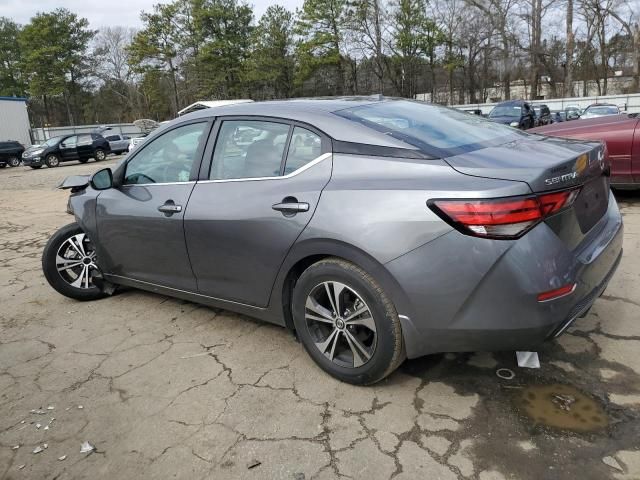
561, 406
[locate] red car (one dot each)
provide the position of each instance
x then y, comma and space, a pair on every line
621, 133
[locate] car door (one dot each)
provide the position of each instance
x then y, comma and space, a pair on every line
635, 154
84, 147
252, 202
68, 148
140, 223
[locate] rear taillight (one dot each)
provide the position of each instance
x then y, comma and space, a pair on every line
502, 218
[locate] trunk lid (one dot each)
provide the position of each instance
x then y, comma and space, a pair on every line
548, 164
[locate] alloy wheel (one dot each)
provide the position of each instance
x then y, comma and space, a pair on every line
14, 161
52, 161
75, 260
341, 324
100, 155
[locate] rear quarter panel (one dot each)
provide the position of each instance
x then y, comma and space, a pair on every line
379, 204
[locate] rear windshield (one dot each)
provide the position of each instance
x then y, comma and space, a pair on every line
436, 130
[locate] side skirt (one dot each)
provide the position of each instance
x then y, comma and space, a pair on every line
264, 314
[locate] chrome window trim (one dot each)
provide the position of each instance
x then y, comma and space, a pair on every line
158, 184
306, 166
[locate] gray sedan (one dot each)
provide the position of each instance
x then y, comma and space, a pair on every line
376, 229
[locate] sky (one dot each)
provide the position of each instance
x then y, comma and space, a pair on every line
107, 12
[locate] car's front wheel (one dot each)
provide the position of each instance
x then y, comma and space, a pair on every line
14, 161
52, 160
346, 322
69, 264
100, 155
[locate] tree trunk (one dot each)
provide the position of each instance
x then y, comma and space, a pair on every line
506, 74
378, 33
46, 110
175, 87
635, 86
568, 73
536, 6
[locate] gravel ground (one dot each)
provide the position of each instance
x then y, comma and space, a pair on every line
168, 389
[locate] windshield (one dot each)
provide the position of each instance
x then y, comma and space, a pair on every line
601, 110
506, 111
51, 142
436, 130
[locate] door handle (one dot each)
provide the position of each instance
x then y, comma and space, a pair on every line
290, 206
169, 208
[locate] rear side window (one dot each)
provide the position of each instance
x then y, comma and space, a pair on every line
304, 147
249, 149
85, 139
436, 130
112, 138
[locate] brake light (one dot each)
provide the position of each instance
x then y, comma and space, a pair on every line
556, 293
501, 218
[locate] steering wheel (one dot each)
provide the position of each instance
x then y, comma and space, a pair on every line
172, 171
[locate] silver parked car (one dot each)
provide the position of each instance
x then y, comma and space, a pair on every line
377, 229
118, 143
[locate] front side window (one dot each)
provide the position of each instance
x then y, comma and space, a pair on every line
249, 149
304, 147
168, 158
112, 138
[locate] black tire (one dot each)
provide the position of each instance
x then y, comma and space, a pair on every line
388, 352
55, 278
14, 161
52, 161
99, 155
35, 167
83, 160
3, 165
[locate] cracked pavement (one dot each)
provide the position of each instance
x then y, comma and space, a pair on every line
170, 389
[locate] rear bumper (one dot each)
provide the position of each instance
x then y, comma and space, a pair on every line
470, 294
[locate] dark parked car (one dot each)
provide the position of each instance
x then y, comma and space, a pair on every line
66, 148
621, 133
543, 115
377, 229
10, 153
515, 113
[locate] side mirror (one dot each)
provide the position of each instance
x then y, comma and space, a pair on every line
102, 179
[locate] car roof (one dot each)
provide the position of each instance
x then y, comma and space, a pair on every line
317, 112
512, 102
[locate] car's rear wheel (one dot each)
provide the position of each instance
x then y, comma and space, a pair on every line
69, 264
2, 165
100, 155
14, 161
52, 160
346, 322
